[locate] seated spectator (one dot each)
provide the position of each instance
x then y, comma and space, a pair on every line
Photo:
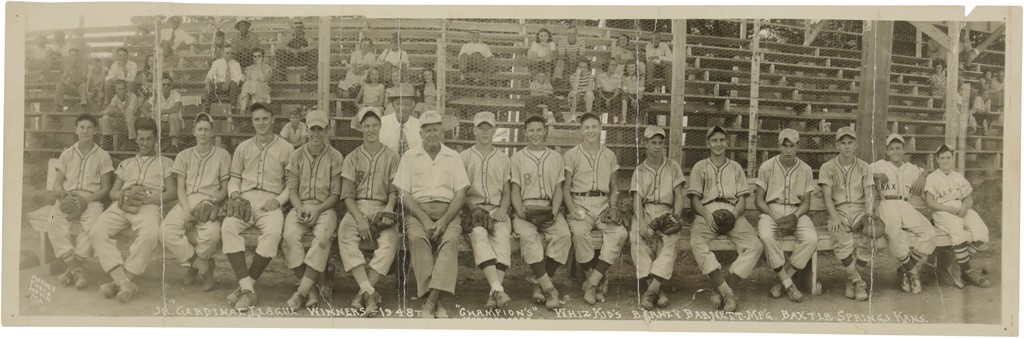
938, 81
359, 63
982, 100
609, 85
57, 49
92, 90
541, 93
393, 57
169, 110
659, 59
581, 84
72, 79
371, 93
298, 52
476, 60
36, 55
144, 80
569, 50
622, 53
394, 79
995, 93
118, 116
542, 52
224, 78
295, 131
173, 39
427, 92
219, 42
256, 87
122, 69
245, 43
632, 89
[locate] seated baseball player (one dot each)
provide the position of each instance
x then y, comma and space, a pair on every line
591, 199
846, 187
314, 184
718, 193
658, 200
202, 173
783, 197
911, 236
143, 183
949, 194
82, 181
433, 182
366, 174
256, 192
536, 191
486, 212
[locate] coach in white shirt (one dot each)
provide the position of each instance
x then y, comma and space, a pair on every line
401, 125
223, 81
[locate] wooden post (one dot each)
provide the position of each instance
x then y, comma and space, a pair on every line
441, 67
323, 67
918, 36
743, 28
952, 103
755, 93
676, 110
872, 114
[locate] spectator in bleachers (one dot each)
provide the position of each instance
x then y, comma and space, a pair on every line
73, 78
623, 53
371, 93
169, 110
996, 91
581, 85
632, 89
92, 93
295, 131
568, 51
144, 80
256, 87
542, 52
982, 99
659, 58
427, 92
541, 93
476, 61
122, 69
119, 116
245, 43
224, 78
938, 81
56, 50
219, 42
359, 64
401, 124
36, 54
394, 80
174, 38
393, 57
298, 52
609, 85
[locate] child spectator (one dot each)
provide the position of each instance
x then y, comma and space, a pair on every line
295, 131
581, 84
541, 93
542, 52
609, 86
371, 93
632, 89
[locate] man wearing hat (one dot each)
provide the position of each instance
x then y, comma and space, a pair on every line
846, 187
489, 170
298, 52
590, 188
314, 184
433, 182
783, 195
718, 183
949, 194
173, 37
400, 130
911, 236
536, 188
657, 189
366, 176
245, 43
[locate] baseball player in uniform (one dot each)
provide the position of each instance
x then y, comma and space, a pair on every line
489, 171
433, 182
911, 236
536, 184
257, 189
143, 183
657, 189
202, 175
314, 184
83, 174
367, 173
949, 194
718, 183
846, 187
590, 188
783, 190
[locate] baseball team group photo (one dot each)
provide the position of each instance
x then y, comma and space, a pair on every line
760, 170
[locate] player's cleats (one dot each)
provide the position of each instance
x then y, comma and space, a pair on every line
851, 290
955, 275
551, 299
359, 300
372, 301
313, 298
538, 295
716, 300
108, 290
861, 290
233, 296
589, 292
190, 276
296, 302
976, 279
794, 294
427, 311
602, 289
904, 279
79, 276
730, 303
490, 305
245, 300
915, 282
648, 299
776, 290
662, 299
127, 290
66, 278
501, 299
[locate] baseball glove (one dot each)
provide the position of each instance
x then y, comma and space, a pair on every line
540, 216
205, 211
869, 229
668, 223
239, 208
724, 221
73, 205
620, 213
479, 218
132, 198
786, 224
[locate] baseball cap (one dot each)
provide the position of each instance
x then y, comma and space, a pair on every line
430, 117
944, 148
789, 134
316, 118
716, 129
484, 117
846, 131
356, 122
403, 90
535, 118
240, 22
653, 131
894, 137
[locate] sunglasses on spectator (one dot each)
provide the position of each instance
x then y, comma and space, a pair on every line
257, 55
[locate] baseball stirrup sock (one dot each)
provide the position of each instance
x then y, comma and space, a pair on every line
259, 263
551, 266
501, 267
601, 267
299, 271
716, 278
847, 261
538, 269
487, 263
237, 260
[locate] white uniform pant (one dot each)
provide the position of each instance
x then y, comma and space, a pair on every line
145, 223
806, 237
843, 241
295, 253
492, 245
532, 240
968, 229
614, 236
270, 224
348, 240
654, 256
59, 230
907, 229
173, 234
748, 246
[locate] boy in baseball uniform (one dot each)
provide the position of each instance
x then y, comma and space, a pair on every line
433, 182
657, 189
846, 187
257, 189
148, 177
314, 184
367, 173
783, 195
949, 194
83, 173
489, 170
202, 175
536, 184
718, 183
590, 188
911, 236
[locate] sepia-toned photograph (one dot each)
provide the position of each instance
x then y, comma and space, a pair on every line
673, 172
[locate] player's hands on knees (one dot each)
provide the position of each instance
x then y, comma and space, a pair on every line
521, 214
310, 213
711, 221
499, 214
835, 222
270, 205
187, 220
363, 227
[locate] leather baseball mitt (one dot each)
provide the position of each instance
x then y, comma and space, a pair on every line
132, 198
540, 216
724, 221
239, 208
205, 211
481, 218
620, 213
73, 205
871, 229
786, 224
668, 223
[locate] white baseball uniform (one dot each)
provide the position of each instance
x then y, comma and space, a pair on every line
785, 189
849, 186
368, 179
538, 174
488, 174
310, 175
592, 173
258, 174
203, 174
83, 173
655, 186
720, 187
951, 190
908, 231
